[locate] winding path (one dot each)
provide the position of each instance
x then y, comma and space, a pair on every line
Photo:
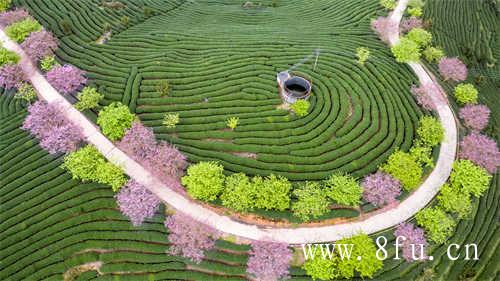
405, 210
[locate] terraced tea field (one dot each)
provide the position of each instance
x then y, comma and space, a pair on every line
221, 61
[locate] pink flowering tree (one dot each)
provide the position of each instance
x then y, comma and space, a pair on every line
190, 238
269, 261
55, 133
414, 235
423, 95
10, 17
380, 189
384, 27
11, 76
481, 150
475, 117
40, 44
66, 79
410, 23
452, 69
137, 202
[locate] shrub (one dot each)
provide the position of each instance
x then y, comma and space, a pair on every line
272, 192
114, 120
437, 224
416, 3
239, 193
321, 268
232, 122
380, 189
66, 79
430, 131
466, 94
481, 150
453, 200
343, 189
363, 54
10, 17
469, 178
311, 201
406, 51
424, 93
413, 235
189, 238
415, 12
136, 202
5, 4
269, 261
475, 117
66, 26
125, 20
47, 63
11, 76
452, 69
88, 98
384, 27
300, 108
404, 168
420, 36
433, 54
410, 23
26, 93
204, 180
163, 87
170, 120
19, 30
422, 154
8, 57
40, 44
388, 4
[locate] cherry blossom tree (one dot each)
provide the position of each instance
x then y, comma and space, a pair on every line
269, 261
414, 235
452, 69
137, 202
384, 27
40, 44
10, 17
11, 76
410, 23
424, 93
66, 79
475, 117
64, 138
481, 150
380, 189
190, 238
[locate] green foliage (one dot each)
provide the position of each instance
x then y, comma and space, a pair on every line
416, 3
469, 178
163, 87
405, 168
453, 200
466, 93
26, 92
170, 120
87, 164
5, 5
311, 201
8, 57
272, 192
437, 224
232, 122
114, 120
300, 107
88, 98
406, 50
388, 4
343, 189
47, 63
239, 193
363, 54
125, 20
430, 131
204, 180
420, 36
415, 12
423, 155
320, 268
66, 26
19, 30
433, 54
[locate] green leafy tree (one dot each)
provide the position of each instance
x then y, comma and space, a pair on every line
170, 120
239, 193
19, 30
453, 200
420, 36
363, 54
405, 168
406, 51
114, 120
430, 131
25, 92
320, 268
300, 107
5, 5
437, 224
388, 4
415, 12
47, 63
125, 20
110, 174
204, 180
433, 54
423, 155
469, 178
343, 189
311, 201
466, 93
272, 192
163, 87
88, 98
8, 57
232, 122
